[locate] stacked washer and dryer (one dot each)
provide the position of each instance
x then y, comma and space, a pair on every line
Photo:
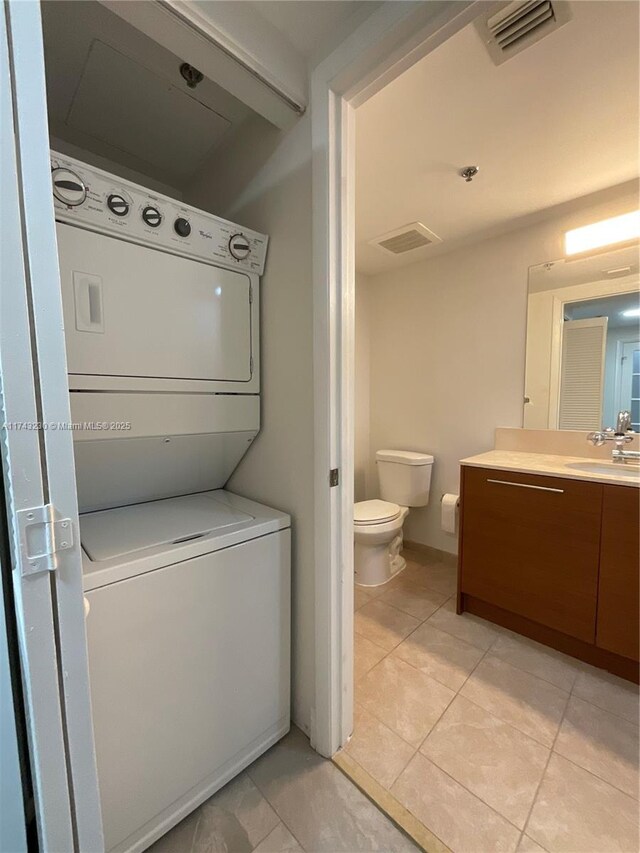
187, 586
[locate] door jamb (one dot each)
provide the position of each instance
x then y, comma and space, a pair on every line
388, 43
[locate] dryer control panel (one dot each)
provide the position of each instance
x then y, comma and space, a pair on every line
98, 201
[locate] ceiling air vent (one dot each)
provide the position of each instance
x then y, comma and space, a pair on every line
508, 28
406, 239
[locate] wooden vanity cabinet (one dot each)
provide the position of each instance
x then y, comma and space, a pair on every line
531, 545
554, 559
618, 626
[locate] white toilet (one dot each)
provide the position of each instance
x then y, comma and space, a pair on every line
405, 479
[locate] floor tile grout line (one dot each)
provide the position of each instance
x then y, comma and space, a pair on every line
482, 649
457, 693
607, 710
387, 726
595, 776
400, 610
569, 691
280, 818
389, 651
469, 791
364, 637
504, 722
528, 672
401, 804
546, 766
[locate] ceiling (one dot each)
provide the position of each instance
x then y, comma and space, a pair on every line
612, 307
309, 25
556, 122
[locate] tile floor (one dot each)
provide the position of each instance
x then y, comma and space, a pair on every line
290, 799
494, 742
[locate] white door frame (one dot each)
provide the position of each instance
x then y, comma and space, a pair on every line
38, 461
388, 43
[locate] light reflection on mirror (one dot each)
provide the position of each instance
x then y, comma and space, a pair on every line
583, 342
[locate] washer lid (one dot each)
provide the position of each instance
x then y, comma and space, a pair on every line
404, 457
118, 532
375, 512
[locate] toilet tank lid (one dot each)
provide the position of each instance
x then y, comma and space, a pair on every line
404, 457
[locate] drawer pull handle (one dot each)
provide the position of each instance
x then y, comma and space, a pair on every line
527, 486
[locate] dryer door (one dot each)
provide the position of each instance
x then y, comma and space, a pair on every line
131, 311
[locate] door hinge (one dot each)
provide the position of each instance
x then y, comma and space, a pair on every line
42, 536
250, 294
334, 477
250, 365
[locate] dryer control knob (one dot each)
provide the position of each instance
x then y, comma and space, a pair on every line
239, 247
117, 204
182, 227
152, 216
68, 187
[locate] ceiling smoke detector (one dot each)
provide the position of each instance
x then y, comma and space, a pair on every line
508, 28
406, 239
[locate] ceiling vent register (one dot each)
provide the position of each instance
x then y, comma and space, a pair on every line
406, 239
509, 28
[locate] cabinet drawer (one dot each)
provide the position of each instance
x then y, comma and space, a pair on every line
531, 544
619, 590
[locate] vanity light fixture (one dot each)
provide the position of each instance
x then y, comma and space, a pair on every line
632, 312
618, 229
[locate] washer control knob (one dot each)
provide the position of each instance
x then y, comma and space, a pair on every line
152, 216
68, 187
182, 227
239, 247
117, 204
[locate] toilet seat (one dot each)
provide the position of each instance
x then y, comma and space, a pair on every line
368, 513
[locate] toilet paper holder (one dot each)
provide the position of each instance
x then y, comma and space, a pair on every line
449, 504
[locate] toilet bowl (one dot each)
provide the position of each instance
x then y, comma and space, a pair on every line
405, 478
377, 534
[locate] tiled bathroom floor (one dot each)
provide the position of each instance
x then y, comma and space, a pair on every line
290, 799
492, 741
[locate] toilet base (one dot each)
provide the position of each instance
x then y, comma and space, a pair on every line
376, 565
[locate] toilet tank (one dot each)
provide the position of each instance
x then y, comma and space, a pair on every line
404, 476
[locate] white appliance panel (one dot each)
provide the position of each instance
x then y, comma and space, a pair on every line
98, 201
140, 415
189, 671
120, 471
134, 311
119, 532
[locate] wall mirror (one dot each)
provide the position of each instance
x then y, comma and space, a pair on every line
583, 342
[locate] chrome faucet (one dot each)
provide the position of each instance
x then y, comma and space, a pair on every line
623, 424
620, 436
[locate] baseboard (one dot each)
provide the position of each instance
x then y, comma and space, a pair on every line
434, 554
386, 802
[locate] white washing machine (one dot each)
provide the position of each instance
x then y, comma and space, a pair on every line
187, 585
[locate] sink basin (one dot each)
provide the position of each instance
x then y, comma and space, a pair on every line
627, 470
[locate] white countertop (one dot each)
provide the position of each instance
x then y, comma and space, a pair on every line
569, 467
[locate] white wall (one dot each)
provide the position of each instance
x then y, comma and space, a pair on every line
108, 165
447, 367
362, 460
265, 183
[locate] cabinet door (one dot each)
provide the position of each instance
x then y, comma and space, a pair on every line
531, 545
618, 592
